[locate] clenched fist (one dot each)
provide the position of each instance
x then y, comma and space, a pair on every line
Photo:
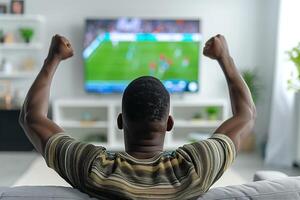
60, 48
216, 48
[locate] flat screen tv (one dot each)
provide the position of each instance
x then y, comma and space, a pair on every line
119, 50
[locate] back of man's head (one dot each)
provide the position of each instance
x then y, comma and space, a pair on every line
145, 99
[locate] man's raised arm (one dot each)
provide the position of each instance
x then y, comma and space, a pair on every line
33, 117
243, 108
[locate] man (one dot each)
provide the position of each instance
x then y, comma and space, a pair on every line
143, 171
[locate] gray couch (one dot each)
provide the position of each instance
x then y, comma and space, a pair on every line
267, 185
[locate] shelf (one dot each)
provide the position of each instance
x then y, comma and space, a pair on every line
78, 124
74, 124
21, 46
18, 75
84, 103
69, 113
197, 124
21, 18
199, 103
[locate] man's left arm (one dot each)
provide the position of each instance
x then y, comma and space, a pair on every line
33, 118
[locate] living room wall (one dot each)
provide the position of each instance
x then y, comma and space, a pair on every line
247, 25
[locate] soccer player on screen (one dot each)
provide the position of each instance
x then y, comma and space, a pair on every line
144, 170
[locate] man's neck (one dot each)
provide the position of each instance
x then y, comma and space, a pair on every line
143, 151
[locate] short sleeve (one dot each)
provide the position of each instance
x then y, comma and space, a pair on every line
71, 159
211, 157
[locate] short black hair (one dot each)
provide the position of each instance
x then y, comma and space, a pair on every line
146, 99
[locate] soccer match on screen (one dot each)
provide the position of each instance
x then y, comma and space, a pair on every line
119, 50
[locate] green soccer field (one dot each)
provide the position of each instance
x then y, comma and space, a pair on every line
129, 60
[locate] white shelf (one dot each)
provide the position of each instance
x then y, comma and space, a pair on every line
85, 103
21, 18
21, 46
69, 112
18, 75
197, 124
83, 124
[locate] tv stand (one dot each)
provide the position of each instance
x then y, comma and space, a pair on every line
95, 121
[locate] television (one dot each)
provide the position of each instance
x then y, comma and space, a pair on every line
116, 51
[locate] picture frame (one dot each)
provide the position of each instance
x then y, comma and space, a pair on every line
17, 7
3, 9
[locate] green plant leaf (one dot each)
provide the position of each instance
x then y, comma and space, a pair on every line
252, 81
26, 33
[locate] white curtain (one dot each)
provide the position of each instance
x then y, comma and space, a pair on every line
281, 144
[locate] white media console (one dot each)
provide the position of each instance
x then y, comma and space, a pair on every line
95, 121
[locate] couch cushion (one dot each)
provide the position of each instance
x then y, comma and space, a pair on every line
268, 175
284, 188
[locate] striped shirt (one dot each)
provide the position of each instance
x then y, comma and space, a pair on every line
184, 173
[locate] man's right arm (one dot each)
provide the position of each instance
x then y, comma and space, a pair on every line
243, 108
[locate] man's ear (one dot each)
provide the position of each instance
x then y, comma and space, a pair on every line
170, 123
120, 121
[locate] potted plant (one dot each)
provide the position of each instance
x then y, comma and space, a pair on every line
294, 56
251, 79
212, 112
27, 33
294, 84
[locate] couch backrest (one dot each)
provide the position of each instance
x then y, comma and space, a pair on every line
285, 188
281, 189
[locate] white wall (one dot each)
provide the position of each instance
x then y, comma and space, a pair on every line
245, 23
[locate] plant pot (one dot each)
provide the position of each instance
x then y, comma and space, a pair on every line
213, 117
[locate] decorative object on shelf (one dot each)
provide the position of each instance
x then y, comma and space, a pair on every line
9, 38
1, 36
3, 8
6, 66
197, 116
17, 7
212, 112
251, 79
86, 117
5, 95
26, 33
28, 64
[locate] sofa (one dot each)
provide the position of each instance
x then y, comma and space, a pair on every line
266, 185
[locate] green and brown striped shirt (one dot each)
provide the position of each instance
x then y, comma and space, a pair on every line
182, 174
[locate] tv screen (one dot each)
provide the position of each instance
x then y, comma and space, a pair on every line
117, 51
